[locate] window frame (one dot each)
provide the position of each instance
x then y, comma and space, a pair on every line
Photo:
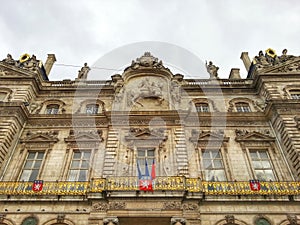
79, 169
202, 107
294, 94
141, 160
94, 109
204, 170
242, 107
270, 161
53, 110
34, 161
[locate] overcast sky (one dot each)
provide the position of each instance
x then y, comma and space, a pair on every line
84, 31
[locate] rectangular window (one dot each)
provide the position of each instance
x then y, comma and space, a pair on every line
52, 109
92, 109
143, 156
32, 166
262, 165
79, 167
213, 165
202, 107
242, 107
295, 95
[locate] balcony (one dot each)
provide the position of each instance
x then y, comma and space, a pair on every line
159, 184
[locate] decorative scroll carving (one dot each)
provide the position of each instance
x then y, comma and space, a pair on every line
100, 206
190, 206
230, 219
25, 62
111, 220
292, 219
172, 205
117, 205
178, 221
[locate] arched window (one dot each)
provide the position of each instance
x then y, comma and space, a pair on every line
242, 107
295, 94
262, 221
52, 109
30, 221
91, 108
202, 107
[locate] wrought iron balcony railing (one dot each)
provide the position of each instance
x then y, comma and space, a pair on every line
159, 184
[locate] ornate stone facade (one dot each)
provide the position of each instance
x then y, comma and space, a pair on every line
216, 151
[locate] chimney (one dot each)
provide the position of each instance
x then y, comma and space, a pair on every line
246, 60
235, 73
49, 63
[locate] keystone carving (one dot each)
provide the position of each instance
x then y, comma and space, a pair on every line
178, 221
100, 206
111, 221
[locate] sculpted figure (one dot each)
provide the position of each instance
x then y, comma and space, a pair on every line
82, 73
9, 60
212, 70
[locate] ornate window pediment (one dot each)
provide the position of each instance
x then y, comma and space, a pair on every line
246, 136
208, 137
40, 138
146, 134
243, 105
91, 107
85, 139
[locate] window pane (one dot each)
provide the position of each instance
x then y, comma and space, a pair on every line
73, 175
266, 164
141, 153
85, 164
220, 175
150, 152
86, 155
257, 165
207, 164
31, 155
33, 175
253, 155
37, 164
269, 175
77, 155
82, 175
218, 163
40, 155
28, 164
25, 175
75, 164
263, 155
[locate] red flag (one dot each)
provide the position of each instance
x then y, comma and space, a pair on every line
37, 185
254, 185
153, 174
145, 185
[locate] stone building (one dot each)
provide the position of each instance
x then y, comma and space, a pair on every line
149, 146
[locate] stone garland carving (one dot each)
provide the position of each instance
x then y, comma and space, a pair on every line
157, 132
50, 134
190, 206
117, 205
100, 206
171, 205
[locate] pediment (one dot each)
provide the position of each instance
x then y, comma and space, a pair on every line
290, 66
88, 136
146, 134
209, 136
254, 136
8, 70
39, 138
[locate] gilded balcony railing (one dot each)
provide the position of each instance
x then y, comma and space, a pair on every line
158, 184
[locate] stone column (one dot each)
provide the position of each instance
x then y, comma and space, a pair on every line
113, 220
178, 221
246, 60
49, 63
